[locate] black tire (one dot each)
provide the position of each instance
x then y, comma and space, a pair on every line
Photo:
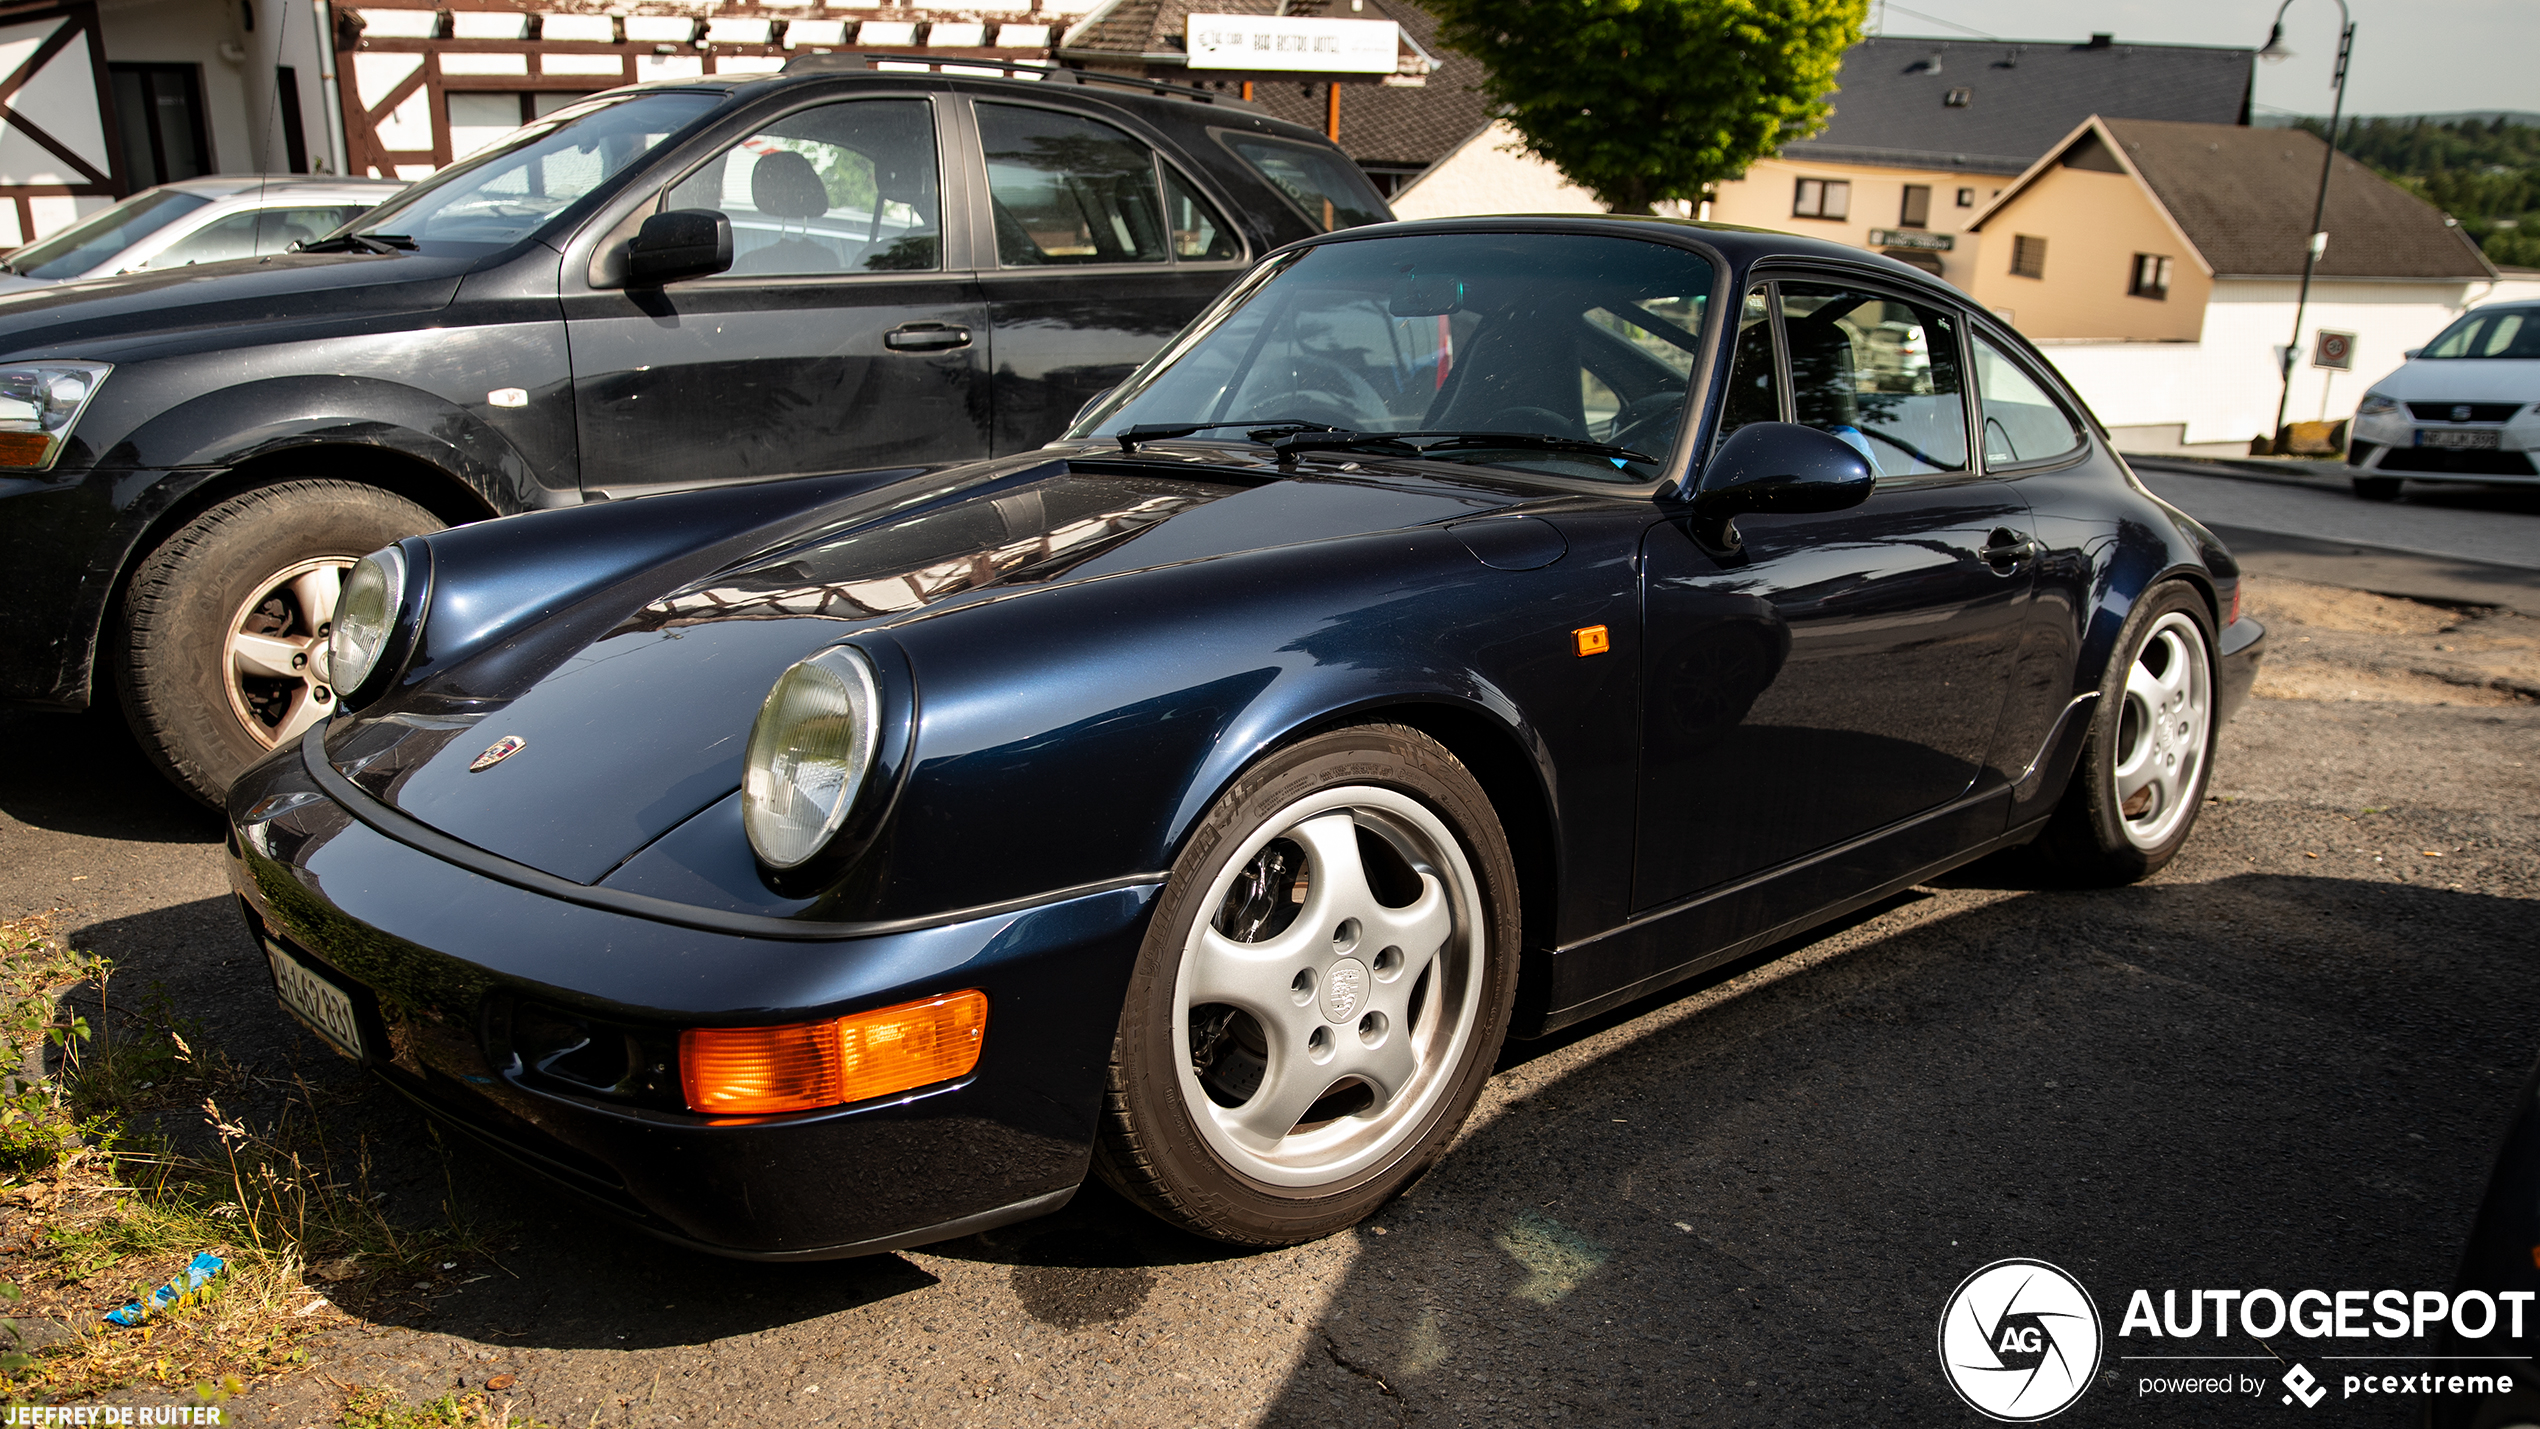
2377, 488
2092, 840
1153, 1150
171, 671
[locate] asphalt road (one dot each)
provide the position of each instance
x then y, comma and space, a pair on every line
2283, 1062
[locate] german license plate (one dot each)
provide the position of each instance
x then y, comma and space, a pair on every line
2457, 441
326, 1008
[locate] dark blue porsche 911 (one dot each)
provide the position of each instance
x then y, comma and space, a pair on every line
1461, 629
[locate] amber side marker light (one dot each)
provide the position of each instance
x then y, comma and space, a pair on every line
803, 1066
24, 449
1592, 640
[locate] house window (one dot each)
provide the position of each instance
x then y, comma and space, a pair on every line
1822, 198
1917, 210
2151, 277
2028, 256
1966, 198
159, 113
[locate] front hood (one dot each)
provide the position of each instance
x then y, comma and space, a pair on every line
133, 314
2464, 379
633, 713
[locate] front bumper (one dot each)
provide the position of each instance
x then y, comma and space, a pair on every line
2388, 446
440, 957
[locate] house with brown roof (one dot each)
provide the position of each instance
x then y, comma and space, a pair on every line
2158, 263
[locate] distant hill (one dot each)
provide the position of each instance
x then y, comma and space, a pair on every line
2279, 120
2480, 166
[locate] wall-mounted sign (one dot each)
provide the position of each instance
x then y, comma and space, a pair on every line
2333, 350
1290, 42
1913, 238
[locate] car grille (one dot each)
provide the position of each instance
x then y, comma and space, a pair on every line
2464, 411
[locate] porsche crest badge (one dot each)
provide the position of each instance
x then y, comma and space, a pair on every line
495, 753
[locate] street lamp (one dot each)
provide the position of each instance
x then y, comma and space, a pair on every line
2276, 53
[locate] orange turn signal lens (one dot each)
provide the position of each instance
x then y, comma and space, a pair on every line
758, 1071
25, 449
1592, 640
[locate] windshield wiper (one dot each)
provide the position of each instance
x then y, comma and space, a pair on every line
1423, 444
1167, 431
357, 243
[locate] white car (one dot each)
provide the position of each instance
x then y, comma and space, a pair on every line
2464, 407
195, 221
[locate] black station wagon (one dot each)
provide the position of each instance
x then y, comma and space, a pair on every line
663, 286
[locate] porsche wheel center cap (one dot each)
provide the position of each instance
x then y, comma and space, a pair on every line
1344, 990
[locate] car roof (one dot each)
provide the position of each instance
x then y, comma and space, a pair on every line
224, 185
1743, 247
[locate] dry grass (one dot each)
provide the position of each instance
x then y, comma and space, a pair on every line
95, 1213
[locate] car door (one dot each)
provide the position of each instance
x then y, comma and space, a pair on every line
1842, 671
845, 334
1102, 249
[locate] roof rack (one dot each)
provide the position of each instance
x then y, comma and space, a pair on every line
870, 59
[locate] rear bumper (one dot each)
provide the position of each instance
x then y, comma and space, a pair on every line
2240, 647
441, 957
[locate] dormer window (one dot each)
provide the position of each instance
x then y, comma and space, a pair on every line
1960, 98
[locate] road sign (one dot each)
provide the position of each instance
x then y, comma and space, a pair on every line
2334, 350
1292, 43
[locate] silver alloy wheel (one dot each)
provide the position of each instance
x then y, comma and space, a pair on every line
2163, 730
1353, 1011
273, 659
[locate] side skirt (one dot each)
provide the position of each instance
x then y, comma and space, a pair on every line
1685, 923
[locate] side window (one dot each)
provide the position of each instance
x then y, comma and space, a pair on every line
2021, 422
1754, 377
1068, 190
1879, 372
1199, 235
844, 188
1321, 184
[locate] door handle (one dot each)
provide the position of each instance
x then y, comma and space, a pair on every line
926, 337
2007, 550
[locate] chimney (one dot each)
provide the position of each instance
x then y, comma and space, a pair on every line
2101, 41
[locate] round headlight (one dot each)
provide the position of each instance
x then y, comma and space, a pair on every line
365, 616
809, 751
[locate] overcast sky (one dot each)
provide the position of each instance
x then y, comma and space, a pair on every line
2411, 56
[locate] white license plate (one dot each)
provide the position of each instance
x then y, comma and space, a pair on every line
326, 1008
2458, 441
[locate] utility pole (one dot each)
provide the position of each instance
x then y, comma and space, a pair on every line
2274, 53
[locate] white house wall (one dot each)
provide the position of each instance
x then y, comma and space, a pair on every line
1492, 174
2221, 390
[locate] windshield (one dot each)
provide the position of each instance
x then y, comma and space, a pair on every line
2490, 332
509, 191
1573, 337
102, 235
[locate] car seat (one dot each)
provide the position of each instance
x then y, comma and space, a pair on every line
784, 186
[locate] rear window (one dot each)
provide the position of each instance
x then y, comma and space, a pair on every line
1324, 186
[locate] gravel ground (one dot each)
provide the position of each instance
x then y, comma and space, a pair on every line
2282, 1062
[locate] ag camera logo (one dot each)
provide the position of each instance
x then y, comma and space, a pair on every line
2019, 1341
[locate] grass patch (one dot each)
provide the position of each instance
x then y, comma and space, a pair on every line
381, 1408
99, 1204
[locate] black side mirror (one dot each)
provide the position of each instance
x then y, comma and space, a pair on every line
683, 243
1778, 466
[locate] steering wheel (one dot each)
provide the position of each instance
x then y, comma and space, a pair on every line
1321, 378
1653, 415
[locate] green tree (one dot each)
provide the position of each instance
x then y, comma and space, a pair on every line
1643, 100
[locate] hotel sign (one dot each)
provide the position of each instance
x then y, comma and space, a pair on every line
1912, 238
1290, 42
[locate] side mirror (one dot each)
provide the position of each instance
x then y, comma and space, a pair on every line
1778, 467
2412, 354
683, 243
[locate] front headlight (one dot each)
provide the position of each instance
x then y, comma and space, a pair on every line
39, 402
809, 752
365, 618
2376, 405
